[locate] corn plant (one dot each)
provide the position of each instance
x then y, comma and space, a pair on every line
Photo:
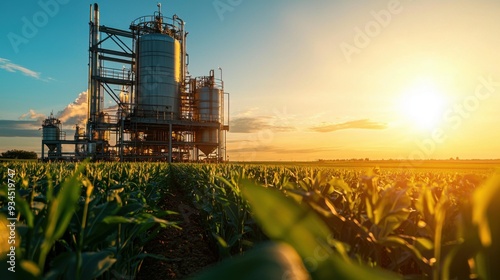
84, 221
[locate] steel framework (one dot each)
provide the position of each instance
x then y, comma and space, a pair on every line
131, 131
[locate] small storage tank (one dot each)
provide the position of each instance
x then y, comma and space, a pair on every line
91, 148
207, 139
159, 67
51, 131
208, 102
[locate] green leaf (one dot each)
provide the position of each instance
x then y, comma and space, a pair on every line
390, 211
29, 270
268, 261
486, 202
59, 214
24, 209
484, 197
282, 219
424, 243
118, 220
93, 265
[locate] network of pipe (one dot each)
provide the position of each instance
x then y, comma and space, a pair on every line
143, 105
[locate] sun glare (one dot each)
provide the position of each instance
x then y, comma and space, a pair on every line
423, 105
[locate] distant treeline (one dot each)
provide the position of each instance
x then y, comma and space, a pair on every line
19, 154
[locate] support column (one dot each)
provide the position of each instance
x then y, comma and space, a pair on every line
170, 143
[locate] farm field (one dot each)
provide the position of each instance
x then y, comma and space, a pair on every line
447, 165
317, 220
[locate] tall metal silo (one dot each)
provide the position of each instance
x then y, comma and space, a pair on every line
163, 114
52, 137
159, 70
208, 102
51, 131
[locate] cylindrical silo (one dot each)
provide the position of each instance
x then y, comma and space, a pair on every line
207, 140
159, 67
208, 103
51, 131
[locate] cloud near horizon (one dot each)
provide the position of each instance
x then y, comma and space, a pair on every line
32, 115
247, 124
75, 112
281, 150
356, 124
20, 128
12, 67
30, 122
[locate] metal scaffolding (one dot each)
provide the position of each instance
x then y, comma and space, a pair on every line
159, 112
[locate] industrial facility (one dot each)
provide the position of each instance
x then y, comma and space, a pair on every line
158, 112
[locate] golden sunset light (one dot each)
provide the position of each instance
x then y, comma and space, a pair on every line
250, 139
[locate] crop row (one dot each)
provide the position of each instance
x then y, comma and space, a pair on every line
80, 221
85, 221
427, 224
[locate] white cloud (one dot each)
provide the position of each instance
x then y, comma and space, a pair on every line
257, 123
12, 67
75, 112
356, 124
21, 128
32, 115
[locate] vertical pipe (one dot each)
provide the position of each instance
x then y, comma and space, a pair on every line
93, 92
59, 149
225, 132
96, 60
170, 143
228, 111
43, 151
184, 54
94, 69
221, 80
120, 145
184, 51
219, 140
89, 88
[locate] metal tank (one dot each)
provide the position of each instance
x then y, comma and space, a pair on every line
159, 67
208, 140
208, 102
51, 131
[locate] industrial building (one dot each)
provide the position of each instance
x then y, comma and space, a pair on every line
159, 112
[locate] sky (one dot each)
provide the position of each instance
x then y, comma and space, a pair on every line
308, 80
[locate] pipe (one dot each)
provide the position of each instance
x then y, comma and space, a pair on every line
185, 55
221, 80
170, 142
89, 86
96, 59
212, 79
93, 93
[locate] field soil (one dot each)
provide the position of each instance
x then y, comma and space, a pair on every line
188, 249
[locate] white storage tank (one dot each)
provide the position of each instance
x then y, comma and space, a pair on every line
51, 133
207, 140
209, 104
159, 69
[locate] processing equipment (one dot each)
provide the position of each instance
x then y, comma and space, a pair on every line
158, 112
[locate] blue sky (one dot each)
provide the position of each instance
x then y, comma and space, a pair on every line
308, 79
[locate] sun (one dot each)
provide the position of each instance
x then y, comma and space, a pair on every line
423, 105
